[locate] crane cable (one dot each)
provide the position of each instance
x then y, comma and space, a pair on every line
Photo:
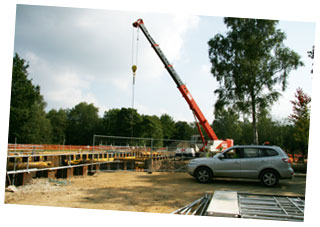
134, 69
135, 52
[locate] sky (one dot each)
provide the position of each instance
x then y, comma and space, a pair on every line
78, 55
86, 55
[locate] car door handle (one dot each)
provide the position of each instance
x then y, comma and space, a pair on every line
236, 162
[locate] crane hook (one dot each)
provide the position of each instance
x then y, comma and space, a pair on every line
134, 69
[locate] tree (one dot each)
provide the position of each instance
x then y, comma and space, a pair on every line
227, 125
27, 117
311, 55
301, 120
274, 132
58, 121
122, 122
150, 127
286, 132
119, 122
128, 121
183, 131
38, 129
82, 123
266, 127
109, 121
248, 62
246, 129
168, 126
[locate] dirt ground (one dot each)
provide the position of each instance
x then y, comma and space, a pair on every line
136, 191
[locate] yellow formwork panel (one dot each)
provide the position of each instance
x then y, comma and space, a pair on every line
80, 161
30, 165
127, 158
141, 158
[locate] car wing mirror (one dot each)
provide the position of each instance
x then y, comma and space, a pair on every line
221, 156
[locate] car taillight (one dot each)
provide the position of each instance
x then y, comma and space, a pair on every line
286, 160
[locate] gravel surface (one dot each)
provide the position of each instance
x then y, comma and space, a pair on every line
159, 192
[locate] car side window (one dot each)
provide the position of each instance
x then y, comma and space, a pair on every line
234, 153
270, 152
251, 153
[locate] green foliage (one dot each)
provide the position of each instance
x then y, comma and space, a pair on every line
301, 119
183, 131
311, 55
122, 122
227, 125
248, 62
58, 121
246, 129
109, 121
27, 117
38, 128
273, 132
150, 127
167, 125
82, 123
280, 133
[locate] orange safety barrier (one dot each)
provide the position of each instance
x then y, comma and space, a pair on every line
54, 147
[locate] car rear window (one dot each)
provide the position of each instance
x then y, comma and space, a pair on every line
270, 152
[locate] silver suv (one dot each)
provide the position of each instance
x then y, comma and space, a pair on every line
267, 163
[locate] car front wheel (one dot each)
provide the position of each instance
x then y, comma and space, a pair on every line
269, 178
203, 175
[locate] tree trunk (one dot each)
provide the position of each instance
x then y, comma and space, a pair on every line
255, 130
254, 123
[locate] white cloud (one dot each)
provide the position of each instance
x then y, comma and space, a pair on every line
31, 56
205, 68
61, 87
163, 111
169, 33
180, 117
68, 89
71, 80
172, 38
122, 83
142, 109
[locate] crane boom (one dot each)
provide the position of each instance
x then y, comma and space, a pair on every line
181, 86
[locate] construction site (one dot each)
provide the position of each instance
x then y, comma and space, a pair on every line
25, 162
132, 174
140, 179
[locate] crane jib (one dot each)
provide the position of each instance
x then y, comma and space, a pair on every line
195, 108
139, 24
182, 87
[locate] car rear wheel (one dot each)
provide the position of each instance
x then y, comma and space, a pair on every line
269, 178
203, 175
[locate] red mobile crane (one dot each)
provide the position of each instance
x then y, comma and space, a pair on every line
218, 144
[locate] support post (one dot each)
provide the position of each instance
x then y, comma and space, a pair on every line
69, 172
85, 171
52, 174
